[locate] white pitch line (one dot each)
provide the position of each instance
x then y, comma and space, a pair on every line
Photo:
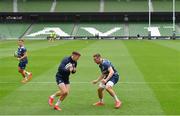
90, 82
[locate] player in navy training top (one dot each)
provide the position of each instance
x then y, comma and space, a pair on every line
23, 61
108, 79
68, 65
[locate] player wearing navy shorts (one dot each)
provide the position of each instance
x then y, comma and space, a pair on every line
23, 61
68, 66
108, 79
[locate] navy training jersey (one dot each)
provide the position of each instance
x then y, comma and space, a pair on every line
105, 66
21, 51
62, 71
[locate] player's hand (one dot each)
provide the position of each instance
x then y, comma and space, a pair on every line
71, 69
104, 81
94, 81
74, 69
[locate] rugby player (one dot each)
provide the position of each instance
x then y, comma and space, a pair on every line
23, 61
67, 66
107, 79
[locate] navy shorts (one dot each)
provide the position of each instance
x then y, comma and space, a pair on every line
114, 79
22, 64
111, 82
60, 79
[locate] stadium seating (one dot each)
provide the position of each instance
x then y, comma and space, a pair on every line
38, 5
12, 31
77, 6
178, 29
6, 6
126, 29
133, 29
88, 5
66, 27
126, 6
102, 27
167, 5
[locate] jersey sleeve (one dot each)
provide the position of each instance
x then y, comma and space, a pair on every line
74, 67
24, 50
63, 64
106, 65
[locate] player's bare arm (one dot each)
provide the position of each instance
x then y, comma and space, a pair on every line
24, 56
98, 79
72, 69
111, 72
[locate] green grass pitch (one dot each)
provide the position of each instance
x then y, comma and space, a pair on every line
149, 70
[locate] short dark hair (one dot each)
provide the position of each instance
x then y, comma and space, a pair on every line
76, 53
21, 40
97, 55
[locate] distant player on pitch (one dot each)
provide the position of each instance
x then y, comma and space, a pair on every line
108, 79
21, 56
67, 66
52, 37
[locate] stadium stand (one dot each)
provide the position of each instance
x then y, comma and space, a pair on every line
126, 6
77, 6
34, 5
88, 5
6, 6
76, 28
12, 31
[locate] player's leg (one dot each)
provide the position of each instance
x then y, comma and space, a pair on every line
21, 71
58, 93
68, 88
112, 92
109, 89
64, 88
53, 39
51, 98
64, 92
50, 39
27, 75
100, 95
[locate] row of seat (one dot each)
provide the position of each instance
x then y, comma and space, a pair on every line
89, 5
88, 29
